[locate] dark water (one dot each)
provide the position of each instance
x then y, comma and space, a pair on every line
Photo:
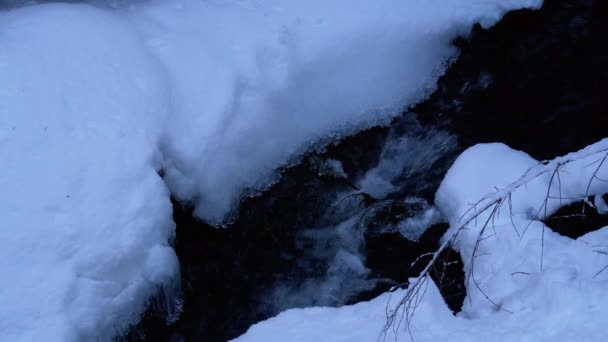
535, 81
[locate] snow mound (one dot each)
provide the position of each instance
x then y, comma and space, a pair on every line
509, 296
85, 220
257, 83
515, 252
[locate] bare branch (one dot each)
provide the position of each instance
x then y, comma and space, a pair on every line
492, 203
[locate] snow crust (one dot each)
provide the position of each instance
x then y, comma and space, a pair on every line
95, 100
565, 300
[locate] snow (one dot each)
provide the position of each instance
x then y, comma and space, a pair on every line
257, 83
564, 300
96, 100
516, 237
85, 219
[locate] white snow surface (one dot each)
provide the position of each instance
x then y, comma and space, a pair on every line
256, 83
95, 100
85, 220
566, 300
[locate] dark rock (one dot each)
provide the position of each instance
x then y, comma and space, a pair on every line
448, 275
392, 257
360, 152
535, 81
577, 219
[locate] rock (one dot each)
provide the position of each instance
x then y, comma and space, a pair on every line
535, 81
577, 219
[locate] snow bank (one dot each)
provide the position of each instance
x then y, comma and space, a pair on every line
565, 300
254, 84
85, 220
95, 100
361, 322
566, 312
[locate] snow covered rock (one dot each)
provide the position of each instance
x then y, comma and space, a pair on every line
510, 298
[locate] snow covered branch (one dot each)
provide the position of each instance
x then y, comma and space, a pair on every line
529, 199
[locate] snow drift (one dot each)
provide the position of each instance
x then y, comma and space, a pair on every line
95, 100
